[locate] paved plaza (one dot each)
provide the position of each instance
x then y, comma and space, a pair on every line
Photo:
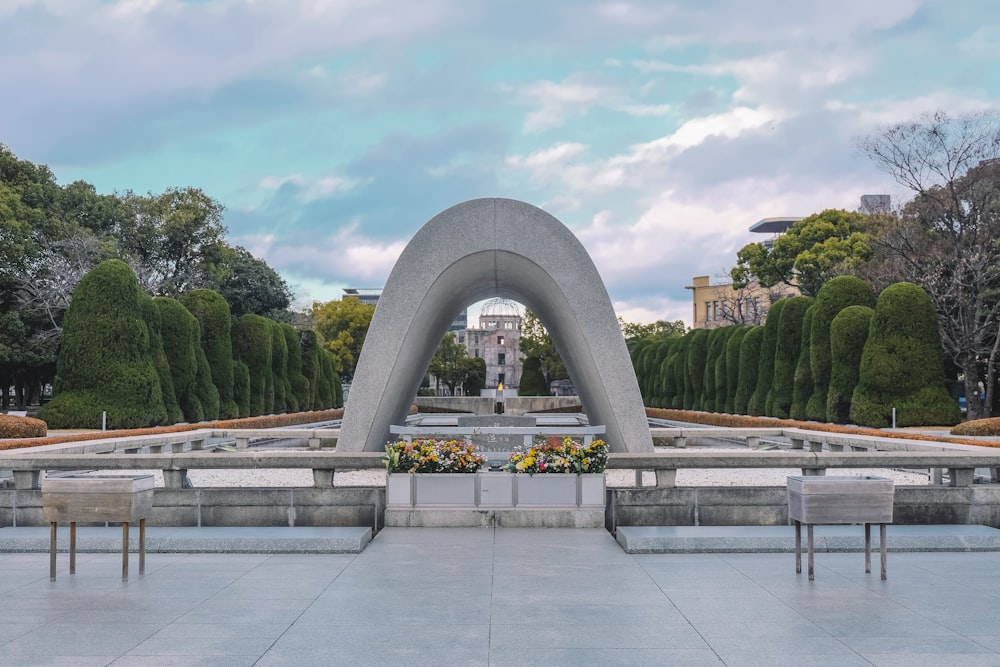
500, 597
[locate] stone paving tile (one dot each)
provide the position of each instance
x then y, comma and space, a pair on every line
504, 597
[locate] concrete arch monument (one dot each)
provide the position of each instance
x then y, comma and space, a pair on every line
473, 251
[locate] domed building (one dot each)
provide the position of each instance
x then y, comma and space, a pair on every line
497, 341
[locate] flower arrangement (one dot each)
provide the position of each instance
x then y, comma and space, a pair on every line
432, 456
560, 455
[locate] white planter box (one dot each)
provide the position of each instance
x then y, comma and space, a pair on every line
494, 490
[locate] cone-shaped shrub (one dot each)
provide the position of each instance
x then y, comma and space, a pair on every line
666, 380
733, 366
676, 366
696, 357
848, 334
833, 297
803, 387
241, 388
749, 366
311, 345
252, 346
902, 365
532, 380
104, 361
180, 343
215, 319
279, 367
296, 380
715, 370
151, 314
765, 371
204, 388
786, 356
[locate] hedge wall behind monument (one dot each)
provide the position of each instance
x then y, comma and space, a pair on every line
104, 361
833, 297
749, 366
902, 364
215, 319
180, 343
786, 356
802, 387
151, 315
765, 371
252, 346
733, 366
848, 335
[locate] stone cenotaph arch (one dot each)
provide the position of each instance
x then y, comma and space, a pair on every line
477, 250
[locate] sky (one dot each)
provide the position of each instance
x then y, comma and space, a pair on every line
331, 130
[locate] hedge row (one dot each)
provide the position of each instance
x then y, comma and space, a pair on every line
21, 427
833, 359
148, 362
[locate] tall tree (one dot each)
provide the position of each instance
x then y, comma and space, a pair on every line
945, 238
813, 250
249, 285
174, 240
536, 342
343, 325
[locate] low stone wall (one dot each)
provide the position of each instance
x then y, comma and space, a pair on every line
768, 506
321, 507
365, 506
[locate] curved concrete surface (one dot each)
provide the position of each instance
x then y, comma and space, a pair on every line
476, 250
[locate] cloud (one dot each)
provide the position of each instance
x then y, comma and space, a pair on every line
310, 189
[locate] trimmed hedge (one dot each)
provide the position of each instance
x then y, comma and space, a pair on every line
21, 427
215, 319
715, 370
749, 366
697, 356
532, 380
104, 361
733, 365
151, 315
803, 384
833, 297
204, 388
180, 342
252, 346
765, 371
300, 397
738, 421
241, 388
848, 334
902, 365
786, 356
279, 367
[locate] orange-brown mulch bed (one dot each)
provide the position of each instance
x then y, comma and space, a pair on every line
269, 421
739, 421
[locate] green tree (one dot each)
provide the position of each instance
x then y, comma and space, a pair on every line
945, 239
451, 364
786, 356
813, 250
833, 297
535, 341
715, 370
249, 285
635, 332
175, 239
297, 381
105, 363
343, 325
902, 366
848, 335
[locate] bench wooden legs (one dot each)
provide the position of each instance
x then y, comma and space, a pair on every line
809, 548
72, 548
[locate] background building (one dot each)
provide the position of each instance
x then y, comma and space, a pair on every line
497, 341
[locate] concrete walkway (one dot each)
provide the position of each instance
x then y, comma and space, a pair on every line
501, 597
